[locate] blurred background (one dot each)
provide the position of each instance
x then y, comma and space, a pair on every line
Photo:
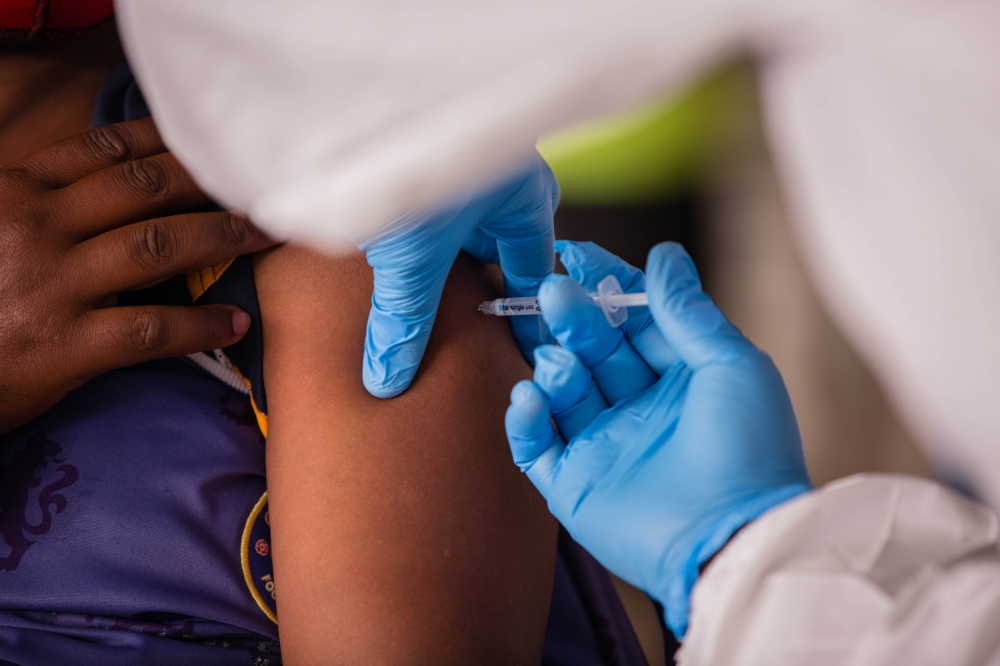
694, 168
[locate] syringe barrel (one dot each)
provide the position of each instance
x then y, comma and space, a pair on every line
512, 307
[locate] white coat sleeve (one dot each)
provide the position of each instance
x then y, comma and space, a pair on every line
870, 570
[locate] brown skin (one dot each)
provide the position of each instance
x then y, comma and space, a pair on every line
402, 532
81, 221
47, 90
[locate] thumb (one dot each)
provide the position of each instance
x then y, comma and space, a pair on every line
690, 321
405, 299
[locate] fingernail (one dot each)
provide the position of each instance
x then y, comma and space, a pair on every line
241, 322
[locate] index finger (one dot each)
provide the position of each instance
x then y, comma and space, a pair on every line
405, 298
67, 161
588, 264
522, 224
580, 327
523, 228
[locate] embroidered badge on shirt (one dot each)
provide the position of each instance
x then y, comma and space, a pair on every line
255, 555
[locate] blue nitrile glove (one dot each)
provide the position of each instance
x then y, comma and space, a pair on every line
700, 440
510, 224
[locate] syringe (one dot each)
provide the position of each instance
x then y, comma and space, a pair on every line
609, 298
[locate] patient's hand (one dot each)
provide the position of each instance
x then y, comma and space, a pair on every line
402, 532
79, 225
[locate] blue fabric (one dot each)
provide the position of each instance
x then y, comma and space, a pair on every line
123, 509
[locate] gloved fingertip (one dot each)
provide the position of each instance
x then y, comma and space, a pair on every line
669, 265
526, 396
575, 321
561, 375
527, 421
556, 356
382, 382
557, 293
528, 414
394, 347
384, 392
690, 321
387, 371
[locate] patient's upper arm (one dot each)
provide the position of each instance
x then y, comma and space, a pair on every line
402, 532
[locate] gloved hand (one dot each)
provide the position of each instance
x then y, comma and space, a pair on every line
511, 224
700, 438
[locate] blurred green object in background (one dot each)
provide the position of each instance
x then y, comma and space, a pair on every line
657, 151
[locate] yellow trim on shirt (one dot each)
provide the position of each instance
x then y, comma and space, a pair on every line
245, 558
261, 416
198, 282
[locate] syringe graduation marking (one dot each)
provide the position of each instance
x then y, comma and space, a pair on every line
609, 298
509, 307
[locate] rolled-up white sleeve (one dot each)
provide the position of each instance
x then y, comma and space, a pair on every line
872, 569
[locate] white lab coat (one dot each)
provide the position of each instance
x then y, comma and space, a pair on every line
326, 119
